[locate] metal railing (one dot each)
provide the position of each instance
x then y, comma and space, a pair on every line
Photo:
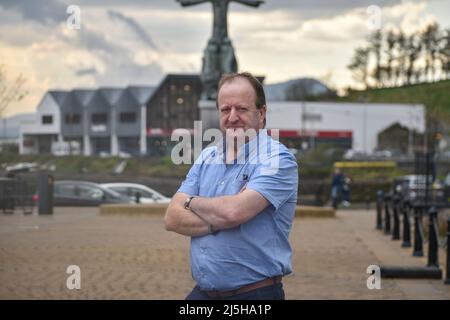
404, 207
16, 193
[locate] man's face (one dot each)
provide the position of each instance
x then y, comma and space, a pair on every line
237, 108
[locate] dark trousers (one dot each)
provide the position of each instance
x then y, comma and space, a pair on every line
273, 292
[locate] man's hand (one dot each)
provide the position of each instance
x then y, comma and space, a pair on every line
229, 211
183, 221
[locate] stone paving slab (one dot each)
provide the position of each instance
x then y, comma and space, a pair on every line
133, 257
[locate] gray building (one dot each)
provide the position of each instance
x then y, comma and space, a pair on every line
92, 122
135, 120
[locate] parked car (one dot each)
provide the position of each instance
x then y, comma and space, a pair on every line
84, 194
352, 154
382, 154
447, 180
135, 191
412, 187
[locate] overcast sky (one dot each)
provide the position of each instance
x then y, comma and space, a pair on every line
139, 41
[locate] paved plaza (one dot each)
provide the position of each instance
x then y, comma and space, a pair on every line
133, 257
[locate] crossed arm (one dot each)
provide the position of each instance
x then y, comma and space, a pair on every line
222, 212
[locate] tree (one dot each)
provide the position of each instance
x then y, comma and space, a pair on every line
375, 41
10, 92
359, 65
430, 47
401, 59
412, 52
391, 40
444, 53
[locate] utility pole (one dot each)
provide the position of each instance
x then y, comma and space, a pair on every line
303, 120
365, 127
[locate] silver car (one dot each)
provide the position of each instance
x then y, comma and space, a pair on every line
138, 192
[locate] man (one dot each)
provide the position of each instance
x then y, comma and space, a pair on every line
336, 187
238, 202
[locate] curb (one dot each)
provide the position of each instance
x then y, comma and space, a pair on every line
160, 210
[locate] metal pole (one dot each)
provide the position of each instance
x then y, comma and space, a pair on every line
406, 226
387, 215
433, 234
418, 233
379, 225
396, 230
427, 180
447, 280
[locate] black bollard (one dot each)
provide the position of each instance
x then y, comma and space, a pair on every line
379, 209
396, 228
447, 280
406, 226
367, 202
433, 238
45, 193
387, 215
137, 197
418, 233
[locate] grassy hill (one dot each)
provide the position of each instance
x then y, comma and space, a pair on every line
435, 96
162, 167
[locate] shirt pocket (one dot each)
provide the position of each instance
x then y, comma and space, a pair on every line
240, 182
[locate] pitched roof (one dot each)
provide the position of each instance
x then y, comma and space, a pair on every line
71, 103
84, 96
111, 95
58, 95
141, 94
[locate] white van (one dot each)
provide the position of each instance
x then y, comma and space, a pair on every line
66, 148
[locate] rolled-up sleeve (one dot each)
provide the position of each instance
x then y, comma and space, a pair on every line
276, 179
191, 185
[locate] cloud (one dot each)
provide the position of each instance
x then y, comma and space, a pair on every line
324, 5
68, 58
88, 71
46, 12
95, 41
140, 32
269, 5
281, 39
300, 48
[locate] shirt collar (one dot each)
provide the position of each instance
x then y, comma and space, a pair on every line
250, 149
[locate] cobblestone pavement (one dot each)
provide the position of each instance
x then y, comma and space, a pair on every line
123, 257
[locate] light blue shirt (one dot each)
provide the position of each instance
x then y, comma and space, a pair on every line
259, 248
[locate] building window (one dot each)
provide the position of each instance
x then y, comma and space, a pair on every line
180, 100
99, 118
128, 117
187, 88
173, 88
47, 119
73, 118
29, 143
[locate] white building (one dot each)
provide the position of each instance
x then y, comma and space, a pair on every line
45, 128
114, 120
360, 121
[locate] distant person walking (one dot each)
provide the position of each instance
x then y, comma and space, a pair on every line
346, 191
336, 187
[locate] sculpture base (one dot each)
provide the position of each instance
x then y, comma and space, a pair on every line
208, 114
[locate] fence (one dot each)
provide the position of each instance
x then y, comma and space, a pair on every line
414, 197
16, 193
